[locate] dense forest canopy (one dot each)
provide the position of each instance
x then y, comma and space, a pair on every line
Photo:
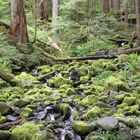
69, 69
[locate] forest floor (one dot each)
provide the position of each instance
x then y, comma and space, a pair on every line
86, 100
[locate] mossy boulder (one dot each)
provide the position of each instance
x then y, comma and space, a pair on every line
4, 135
44, 69
27, 112
21, 103
58, 81
84, 79
27, 131
130, 100
115, 84
82, 127
24, 77
136, 133
2, 119
92, 113
65, 108
5, 109
70, 91
88, 100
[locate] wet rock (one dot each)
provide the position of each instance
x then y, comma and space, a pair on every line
82, 127
41, 115
11, 118
5, 109
21, 103
75, 75
136, 133
4, 135
108, 123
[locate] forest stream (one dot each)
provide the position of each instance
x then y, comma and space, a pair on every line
86, 100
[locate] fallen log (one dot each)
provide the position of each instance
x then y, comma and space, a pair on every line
110, 56
7, 77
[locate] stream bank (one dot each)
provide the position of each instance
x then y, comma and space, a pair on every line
87, 100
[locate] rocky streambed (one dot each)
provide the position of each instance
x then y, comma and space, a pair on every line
87, 100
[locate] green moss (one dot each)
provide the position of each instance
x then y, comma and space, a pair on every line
44, 69
26, 112
92, 113
115, 84
4, 108
130, 121
129, 100
89, 100
84, 79
24, 77
2, 119
26, 131
82, 127
65, 109
70, 91
119, 97
59, 81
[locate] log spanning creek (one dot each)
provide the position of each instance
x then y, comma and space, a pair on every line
86, 100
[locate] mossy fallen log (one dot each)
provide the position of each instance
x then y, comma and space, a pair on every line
110, 56
7, 77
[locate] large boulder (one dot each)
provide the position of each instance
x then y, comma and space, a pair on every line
108, 123
5, 109
4, 135
82, 127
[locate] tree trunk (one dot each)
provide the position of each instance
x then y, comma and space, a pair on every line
44, 9
55, 9
126, 14
18, 22
105, 6
110, 5
116, 5
137, 2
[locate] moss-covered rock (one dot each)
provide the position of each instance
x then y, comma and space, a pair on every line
26, 112
27, 131
82, 127
136, 133
4, 135
21, 103
129, 100
5, 109
59, 81
44, 69
115, 84
89, 100
70, 91
92, 113
84, 79
24, 77
2, 119
65, 108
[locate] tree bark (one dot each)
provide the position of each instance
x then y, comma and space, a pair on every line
137, 2
18, 22
105, 6
55, 9
126, 14
116, 5
44, 9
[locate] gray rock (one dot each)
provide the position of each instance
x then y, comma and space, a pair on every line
136, 132
82, 127
5, 109
108, 123
4, 135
